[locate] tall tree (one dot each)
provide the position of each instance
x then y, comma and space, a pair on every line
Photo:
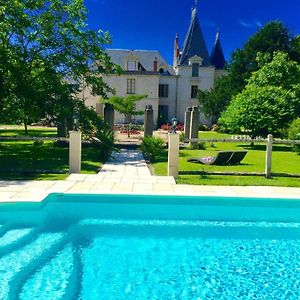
274, 36
270, 100
44, 43
127, 107
215, 100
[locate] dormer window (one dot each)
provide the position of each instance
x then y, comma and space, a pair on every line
131, 65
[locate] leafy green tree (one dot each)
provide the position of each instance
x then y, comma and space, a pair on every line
294, 130
269, 101
259, 111
44, 44
214, 101
294, 133
274, 36
127, 107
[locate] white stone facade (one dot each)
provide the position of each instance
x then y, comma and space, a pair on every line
179, 82
169, 89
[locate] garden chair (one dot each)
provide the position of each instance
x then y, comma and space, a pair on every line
221, 158
237, 157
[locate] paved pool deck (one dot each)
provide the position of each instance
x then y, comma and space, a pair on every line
126, 172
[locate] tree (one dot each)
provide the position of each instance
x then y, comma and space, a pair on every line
294, 133
269, 101
127, 107
44, 44
214, 101
273, 37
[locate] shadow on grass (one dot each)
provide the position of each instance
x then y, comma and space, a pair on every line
182, 154
31, 132
24, 160
260, 147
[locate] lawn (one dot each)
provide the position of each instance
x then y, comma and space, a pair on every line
15, 130
29, 160
284, 161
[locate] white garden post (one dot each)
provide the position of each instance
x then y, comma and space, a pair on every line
268, 164
173, 154
75, 151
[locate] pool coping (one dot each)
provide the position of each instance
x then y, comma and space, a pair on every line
36, 191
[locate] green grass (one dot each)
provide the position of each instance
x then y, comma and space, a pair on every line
10, 130
283, 161
238, 180
213, 135
24, 156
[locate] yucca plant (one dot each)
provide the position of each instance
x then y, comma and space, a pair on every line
151, 147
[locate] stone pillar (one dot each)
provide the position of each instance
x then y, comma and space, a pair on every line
268, 164
109, 116
194, 125
173, 154
148, 121
187, 122
74, 151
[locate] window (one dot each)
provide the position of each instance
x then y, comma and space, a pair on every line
194, 90
195, 70
131, 86
131, 65
163, 91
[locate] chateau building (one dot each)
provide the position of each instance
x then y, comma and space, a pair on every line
169, 89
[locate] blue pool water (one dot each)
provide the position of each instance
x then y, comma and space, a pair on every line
147, 247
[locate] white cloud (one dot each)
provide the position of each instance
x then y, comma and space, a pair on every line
250, 24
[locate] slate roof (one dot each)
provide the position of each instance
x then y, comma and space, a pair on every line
145, 58
194, 43
217, 56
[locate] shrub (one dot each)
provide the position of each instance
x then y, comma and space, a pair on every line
95, 129
181, 137
197, 146
215, 127
203, 127
104, 141
152, 147
168, 127
294, 133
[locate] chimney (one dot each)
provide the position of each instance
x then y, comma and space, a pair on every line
176, 51
155, 64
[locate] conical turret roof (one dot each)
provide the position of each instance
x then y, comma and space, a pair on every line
217, 56
194, 43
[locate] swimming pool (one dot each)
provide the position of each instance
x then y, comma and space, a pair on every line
150, 247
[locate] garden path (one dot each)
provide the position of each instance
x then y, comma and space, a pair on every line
126, 172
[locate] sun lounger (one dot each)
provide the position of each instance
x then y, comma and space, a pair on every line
221, 158
237, 157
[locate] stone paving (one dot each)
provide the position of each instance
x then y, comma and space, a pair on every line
125, 173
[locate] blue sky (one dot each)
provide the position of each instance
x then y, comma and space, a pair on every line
152, 25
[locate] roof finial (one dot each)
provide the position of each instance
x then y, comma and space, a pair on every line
218, 33
194, 9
